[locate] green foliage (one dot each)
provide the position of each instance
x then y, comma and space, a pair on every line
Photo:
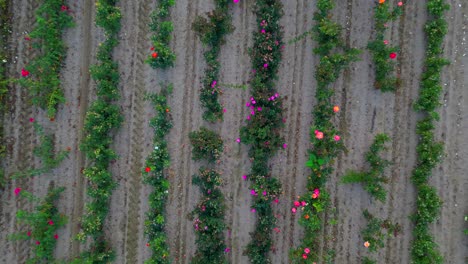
262, 131
44, 151
367, 260
212, 31
372, 180
424, 249
162, 28
101, 119
4, 35
158, 161
43, 224
321, 157
374, 234
207, 144
44, 83
384, 66
208, 218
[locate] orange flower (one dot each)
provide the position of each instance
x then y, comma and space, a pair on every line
306, 216
366, 244
381, 1
167, 110
314, 196
336, 109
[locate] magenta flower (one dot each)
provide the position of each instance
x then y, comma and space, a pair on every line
264, 193
244, 177
293, 210
253, 210
253, 192
17, 191
226, 250
336, 138
296, 203
307, 250
259, 109
265, 65
238, 140
285, 145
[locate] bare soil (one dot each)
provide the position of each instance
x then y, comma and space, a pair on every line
364, 113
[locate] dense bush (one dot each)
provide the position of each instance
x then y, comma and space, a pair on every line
208, 218
212, 31
155, 176
372, 179
424, 249
52, 19
207, 144
45, 152
4, 35
101, 119
42, 223
162, 28
384, 66
263, 127
328, 35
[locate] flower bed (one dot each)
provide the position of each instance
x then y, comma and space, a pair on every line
382, 53
101, 119
264, 124
212, 32
372, 180
208, 219
44, 81
43, 224
428, 203
155, 176
325, 138
161, 54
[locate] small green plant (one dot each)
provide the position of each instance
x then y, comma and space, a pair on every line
161, 56
44, 84
372, 180
43, 224
466, 220
155, 176
381, 50
368, 260
374, 231
208, 218
44, 151
207, 144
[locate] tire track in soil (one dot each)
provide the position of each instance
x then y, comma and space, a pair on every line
293, 124
25, 135
133, 204
183, 171
79, 187
342, 125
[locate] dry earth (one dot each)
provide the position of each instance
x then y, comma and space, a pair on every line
365, 112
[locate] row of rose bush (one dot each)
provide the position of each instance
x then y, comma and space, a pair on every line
102, 118
428, 203
154, 175
161, 54
325, 138
263, 129
42, 75
372, 180
212, 31
42, 224
5, 23
381, 49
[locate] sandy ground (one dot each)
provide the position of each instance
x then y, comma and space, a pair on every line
365, 112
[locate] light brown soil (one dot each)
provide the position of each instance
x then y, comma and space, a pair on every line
365, 112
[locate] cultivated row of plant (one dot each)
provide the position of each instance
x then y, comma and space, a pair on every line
372, 180
45, 152
43, 224
264, 124
373, 234
155, 176
161, 54
102, 118
212, 31
382, 52
42, 75
424, 249
325, 138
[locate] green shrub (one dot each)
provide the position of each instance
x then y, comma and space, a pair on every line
43, 224
372, 180
157, 162
424, 249
162, 29
373, 233
207, 144
44, 83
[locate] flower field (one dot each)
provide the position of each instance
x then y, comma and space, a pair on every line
234, 131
